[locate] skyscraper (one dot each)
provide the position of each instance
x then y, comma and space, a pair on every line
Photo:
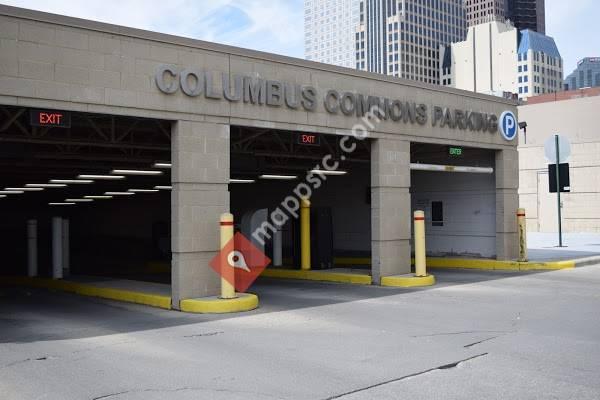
524, 14
403, 37
587, 74
528, 14
482, 11
329, 27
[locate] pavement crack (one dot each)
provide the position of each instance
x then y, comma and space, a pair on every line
402, 378
466, 346
12, 364
106, 396
204, 334
56, 356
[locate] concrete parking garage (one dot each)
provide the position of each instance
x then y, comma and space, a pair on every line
202, 94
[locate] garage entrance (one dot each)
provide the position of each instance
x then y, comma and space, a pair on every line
456, 187
272, 169
93, 190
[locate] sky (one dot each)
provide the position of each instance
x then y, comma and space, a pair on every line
277, 26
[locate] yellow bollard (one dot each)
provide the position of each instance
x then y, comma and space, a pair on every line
521, 221
305, 234
227, 272
420, 260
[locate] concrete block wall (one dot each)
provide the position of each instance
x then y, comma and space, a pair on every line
200, 175
390, 208
507, 203
83, 65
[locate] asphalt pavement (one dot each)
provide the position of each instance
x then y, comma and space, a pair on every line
475, 335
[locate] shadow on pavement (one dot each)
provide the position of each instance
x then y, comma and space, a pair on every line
31, 315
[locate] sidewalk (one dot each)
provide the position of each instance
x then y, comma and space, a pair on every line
579, 247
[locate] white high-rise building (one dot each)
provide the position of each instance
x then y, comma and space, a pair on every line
403, 37
499, 59
329, 27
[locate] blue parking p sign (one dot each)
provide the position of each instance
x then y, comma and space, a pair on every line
508, 125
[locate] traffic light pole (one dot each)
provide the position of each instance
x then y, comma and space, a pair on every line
560, 243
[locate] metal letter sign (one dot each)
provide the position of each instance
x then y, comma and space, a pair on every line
508, 125
256, 90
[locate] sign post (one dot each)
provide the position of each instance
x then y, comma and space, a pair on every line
557, 145
557, 150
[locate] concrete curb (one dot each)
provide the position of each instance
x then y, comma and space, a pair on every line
490, 265
128, 296
216, 305
408, 281
321, 276
582, 262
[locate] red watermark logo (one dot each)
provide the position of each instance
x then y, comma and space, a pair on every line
245, 259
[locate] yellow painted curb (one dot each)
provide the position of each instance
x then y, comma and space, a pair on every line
340, 277
148, 299
215, 305
408, 281
483, 264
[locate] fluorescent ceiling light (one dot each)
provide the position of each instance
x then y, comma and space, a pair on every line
24, 189
61, 204
143, 190
328, 172
119, 194
101, 177
71, 181
279, 177
2, 196
45, 185
98, 197
79, 200
135, 172
163, 187
11, 192
162, 165
242, 181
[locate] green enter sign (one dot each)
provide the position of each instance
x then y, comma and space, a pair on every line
455, 151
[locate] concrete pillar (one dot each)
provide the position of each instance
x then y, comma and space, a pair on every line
390, 208
32, 248
66, 248
200, 176
57, 249
278, 248
507, 203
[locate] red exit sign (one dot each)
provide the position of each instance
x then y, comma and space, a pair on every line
309, 139
49, 118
